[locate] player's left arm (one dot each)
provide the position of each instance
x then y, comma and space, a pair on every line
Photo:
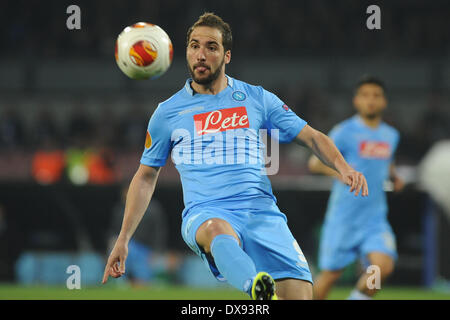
398, 182
324, 149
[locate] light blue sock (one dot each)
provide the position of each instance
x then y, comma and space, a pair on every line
233, 263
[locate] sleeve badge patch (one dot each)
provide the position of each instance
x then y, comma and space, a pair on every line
148, 140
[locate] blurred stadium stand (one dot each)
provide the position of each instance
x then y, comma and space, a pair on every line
61, 90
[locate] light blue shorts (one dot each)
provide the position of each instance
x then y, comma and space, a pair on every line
263, 235
341, 246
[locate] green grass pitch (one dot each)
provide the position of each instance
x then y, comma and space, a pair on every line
12, 292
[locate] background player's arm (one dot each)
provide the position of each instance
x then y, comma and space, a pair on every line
324, 149
317, 166
139, 194
398, 182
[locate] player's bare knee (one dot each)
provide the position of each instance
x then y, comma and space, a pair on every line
214, 227
386, 267
209, 230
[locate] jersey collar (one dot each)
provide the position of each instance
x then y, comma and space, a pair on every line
189, 90
361, 123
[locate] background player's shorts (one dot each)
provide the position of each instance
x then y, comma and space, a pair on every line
341, 246
263, 235
138, 264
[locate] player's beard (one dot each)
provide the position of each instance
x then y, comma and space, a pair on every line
373, 115
370, 112
209, 79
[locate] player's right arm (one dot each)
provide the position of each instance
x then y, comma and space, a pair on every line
317, 166
339, 139
139, 194
291, 127
324, 148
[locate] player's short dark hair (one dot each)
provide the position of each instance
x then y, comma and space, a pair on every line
369, 79
209, 19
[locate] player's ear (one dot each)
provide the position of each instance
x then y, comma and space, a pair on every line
227, 56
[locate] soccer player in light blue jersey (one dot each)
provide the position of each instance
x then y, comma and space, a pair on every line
212, 129
358, 227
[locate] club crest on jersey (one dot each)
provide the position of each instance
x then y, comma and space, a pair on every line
221, 120
374, 150
285, 107
239, 96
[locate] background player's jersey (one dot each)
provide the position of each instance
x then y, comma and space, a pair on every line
369, 151
215, 143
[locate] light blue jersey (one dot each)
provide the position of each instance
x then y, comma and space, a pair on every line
356, 225
215, 143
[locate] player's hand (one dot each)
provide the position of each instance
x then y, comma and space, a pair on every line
356, 181
115, 267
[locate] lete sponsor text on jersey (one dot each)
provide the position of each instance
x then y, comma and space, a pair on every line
374, 149
221, 120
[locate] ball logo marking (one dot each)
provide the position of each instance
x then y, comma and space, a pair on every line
142, 53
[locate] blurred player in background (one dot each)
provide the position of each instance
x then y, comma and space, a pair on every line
358, 227
230, 219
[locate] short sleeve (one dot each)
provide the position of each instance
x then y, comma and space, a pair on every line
396, 141
339, 138
157, 141
280, 116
